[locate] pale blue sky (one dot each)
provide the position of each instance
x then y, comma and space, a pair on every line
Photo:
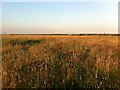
60, 17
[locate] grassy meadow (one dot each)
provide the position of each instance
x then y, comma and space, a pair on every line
49, 61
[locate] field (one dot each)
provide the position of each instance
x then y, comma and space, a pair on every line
49, 61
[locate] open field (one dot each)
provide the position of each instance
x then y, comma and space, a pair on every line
37, 61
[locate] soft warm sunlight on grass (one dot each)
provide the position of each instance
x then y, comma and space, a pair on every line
36, 61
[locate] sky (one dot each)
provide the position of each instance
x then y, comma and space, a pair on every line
59, 17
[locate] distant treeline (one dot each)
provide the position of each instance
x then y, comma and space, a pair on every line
72, 34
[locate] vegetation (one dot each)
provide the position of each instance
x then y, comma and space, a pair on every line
36, 61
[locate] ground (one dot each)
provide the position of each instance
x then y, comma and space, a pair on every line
60, 61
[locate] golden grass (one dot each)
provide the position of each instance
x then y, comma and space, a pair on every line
60, 61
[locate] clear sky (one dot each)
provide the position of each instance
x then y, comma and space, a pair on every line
60, 17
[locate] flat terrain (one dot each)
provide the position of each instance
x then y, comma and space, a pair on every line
49, 61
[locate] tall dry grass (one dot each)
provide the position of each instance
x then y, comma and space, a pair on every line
35, 61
